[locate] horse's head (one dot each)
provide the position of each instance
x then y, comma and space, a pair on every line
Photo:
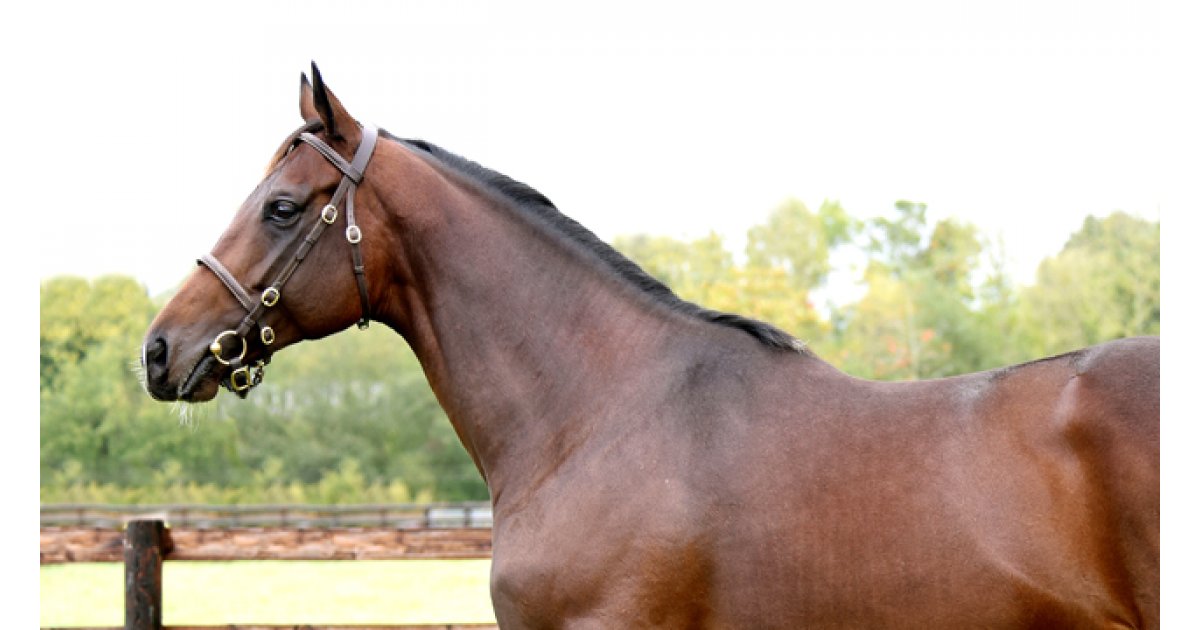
277, 275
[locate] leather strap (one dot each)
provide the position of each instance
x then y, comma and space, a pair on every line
345, 167
354, 168
228, 280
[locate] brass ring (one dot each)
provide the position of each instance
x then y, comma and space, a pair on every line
215, 347
329, 214
267, 334
270, 296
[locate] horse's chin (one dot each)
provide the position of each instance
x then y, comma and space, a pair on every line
202, 384
204, 391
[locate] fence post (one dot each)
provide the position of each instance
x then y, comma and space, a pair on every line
146, 542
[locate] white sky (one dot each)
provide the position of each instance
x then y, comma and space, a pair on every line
1022, 117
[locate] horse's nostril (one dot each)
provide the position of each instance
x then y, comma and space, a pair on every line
154, 357
156, 352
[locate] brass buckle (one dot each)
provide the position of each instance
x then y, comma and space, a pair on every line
215, 347
267, 334
270, 296
242, 379
353, 234
242, 373
329, 214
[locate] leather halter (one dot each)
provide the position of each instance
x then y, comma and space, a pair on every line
240, 378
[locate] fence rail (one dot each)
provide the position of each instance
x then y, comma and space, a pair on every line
305, 626
395, 516
89, 544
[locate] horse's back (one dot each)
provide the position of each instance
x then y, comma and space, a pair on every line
1020, 497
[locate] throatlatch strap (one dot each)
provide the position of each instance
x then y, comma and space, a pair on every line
361, 158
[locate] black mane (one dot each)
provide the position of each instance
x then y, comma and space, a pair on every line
529, 200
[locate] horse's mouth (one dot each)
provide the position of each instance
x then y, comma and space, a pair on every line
204, 380
198, 387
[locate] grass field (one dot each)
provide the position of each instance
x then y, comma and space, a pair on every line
278, 592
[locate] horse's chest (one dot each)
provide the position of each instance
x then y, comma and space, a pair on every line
635, 563
598, 584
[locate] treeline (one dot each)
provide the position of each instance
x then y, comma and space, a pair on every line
351, 419
937, 300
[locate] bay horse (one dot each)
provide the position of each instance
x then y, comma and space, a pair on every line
652, 463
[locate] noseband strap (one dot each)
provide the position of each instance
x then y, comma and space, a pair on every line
228, 280
240, 378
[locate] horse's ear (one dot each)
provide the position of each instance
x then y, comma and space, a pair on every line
335, 117
308, 111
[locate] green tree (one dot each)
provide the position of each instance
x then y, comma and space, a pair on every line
694, 270
1103, 285
359, 395
921, 314
787, 257
799, 242
77, 316
355, 395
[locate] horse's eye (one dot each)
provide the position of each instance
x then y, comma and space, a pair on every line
282, 212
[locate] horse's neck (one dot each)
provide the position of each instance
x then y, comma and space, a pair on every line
515, 327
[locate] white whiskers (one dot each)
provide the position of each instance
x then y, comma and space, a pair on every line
187, 412
138, 368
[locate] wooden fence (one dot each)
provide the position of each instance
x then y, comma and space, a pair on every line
147, 542
397, 516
